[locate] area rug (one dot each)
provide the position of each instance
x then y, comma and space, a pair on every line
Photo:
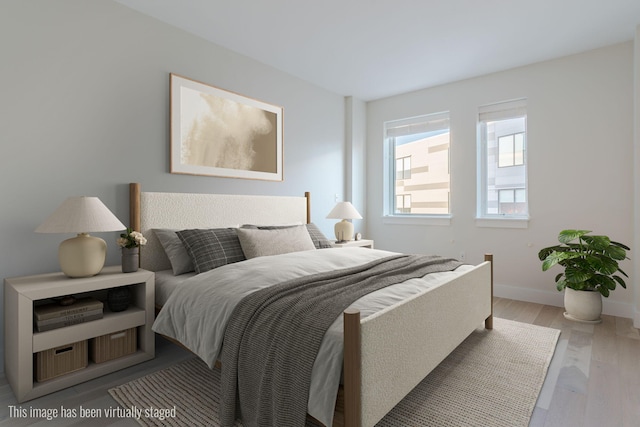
492, 379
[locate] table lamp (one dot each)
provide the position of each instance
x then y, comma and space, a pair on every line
344, 228
83, 255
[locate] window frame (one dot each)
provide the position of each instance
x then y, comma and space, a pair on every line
412, 125
498, 112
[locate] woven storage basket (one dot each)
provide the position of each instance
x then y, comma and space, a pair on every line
61, 360
111, 346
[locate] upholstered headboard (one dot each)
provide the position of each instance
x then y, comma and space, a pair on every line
178, 211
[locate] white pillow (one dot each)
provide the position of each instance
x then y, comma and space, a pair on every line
258, 242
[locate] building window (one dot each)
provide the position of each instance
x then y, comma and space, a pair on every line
511, 150
513, 201
417, 165
502, 162
403, 168
403, 203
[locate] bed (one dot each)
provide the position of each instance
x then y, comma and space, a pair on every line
386, 353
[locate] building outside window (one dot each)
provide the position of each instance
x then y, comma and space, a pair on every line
403, 168
403, 203
502, 164
417, 165
511, 150
512, 201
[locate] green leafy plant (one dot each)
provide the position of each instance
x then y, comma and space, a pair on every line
590, 262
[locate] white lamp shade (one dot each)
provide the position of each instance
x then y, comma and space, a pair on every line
84, 255
81, 215
344, 210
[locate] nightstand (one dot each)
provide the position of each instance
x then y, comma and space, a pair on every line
362, 243
22, 341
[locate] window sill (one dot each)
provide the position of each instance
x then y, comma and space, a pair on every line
443, 220
502, 222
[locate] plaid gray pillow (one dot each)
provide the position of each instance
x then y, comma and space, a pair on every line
212, 248
319, 239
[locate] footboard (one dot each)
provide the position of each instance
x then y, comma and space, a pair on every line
389, 353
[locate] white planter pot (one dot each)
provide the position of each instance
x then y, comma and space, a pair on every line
583, 306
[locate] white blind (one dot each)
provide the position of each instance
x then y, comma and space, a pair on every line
503, 110
419, 124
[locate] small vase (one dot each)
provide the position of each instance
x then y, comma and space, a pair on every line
118, 299
130, 259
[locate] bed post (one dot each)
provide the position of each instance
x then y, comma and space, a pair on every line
134, 206
307, 195
352, 374
488, 323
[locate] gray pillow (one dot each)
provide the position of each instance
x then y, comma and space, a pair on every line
175, 250
317, 237
212, 248
263, 242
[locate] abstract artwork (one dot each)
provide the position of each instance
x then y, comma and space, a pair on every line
220, 133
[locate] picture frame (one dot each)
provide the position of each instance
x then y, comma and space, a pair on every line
215, 132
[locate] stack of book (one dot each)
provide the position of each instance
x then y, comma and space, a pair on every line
53, 316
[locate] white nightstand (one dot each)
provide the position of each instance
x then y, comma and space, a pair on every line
22, 341
362, 243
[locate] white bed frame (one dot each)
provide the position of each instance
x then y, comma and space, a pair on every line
385, 355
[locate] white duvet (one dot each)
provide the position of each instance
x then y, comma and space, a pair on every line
197, 312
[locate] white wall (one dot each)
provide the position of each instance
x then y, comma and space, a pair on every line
580, 141
636, 161
356, 130
84, 110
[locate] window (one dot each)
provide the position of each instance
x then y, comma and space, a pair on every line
512, 202
403, 203
502, 143
417, 166
403, 168
511, 150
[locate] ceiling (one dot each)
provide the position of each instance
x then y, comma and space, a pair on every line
370, 49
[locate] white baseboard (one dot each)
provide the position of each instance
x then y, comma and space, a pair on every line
529, 295
555, 298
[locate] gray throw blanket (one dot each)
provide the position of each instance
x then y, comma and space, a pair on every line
273, 337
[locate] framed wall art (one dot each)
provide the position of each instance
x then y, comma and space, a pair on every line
220, 133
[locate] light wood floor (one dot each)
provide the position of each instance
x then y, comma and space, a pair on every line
594, 376
593, 379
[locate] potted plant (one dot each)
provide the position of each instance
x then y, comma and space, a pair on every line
590, 271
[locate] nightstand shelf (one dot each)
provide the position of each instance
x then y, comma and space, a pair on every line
111, 322
22, 342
